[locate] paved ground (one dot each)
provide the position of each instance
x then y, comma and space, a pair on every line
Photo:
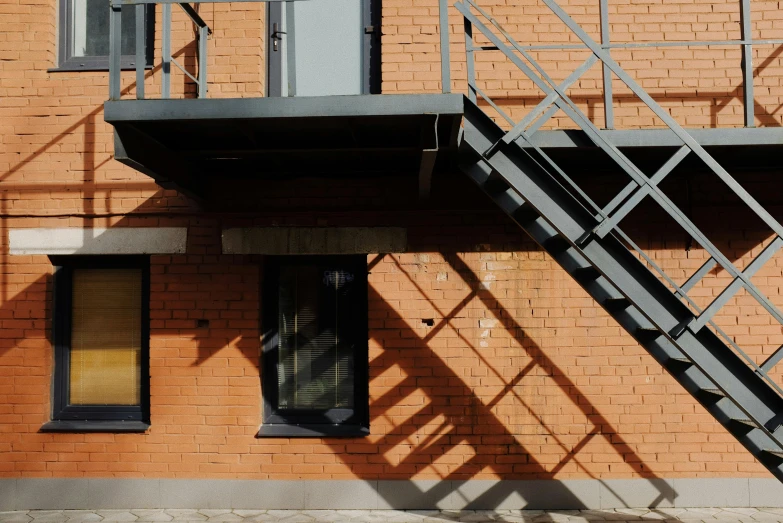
392, 516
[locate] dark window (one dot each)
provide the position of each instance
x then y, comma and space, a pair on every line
315, 346
84, 35
101, 344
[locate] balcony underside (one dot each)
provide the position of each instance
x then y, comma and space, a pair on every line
192, 144
187, 144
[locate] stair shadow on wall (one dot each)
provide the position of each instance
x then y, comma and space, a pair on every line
468, 423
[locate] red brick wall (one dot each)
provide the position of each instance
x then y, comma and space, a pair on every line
520, 376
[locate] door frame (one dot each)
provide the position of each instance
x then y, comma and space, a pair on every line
371, 48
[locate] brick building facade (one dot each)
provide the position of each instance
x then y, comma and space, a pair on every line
494, 379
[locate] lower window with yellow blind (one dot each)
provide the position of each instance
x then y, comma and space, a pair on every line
101, 343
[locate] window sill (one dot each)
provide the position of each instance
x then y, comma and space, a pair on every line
95, 426
94, 68
312, 431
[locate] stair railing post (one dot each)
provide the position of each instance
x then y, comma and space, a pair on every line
607, 73
166, 52
470, 60
202, 61
747, 62
445, 59
115, 49
141, 47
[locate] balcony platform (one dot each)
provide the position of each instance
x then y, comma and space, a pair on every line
185, 143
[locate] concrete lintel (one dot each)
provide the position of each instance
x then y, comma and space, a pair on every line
314, 240
118, 240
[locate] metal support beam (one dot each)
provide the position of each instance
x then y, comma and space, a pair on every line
428, 157
548, 100
606, 226
606, 72
700, 273
115, 51
740, 281
445, 59
747, 64
141, 50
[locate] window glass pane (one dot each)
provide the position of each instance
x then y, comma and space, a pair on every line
315, 357
105, 364
90, 28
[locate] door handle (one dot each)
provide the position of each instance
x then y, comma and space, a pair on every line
276, 36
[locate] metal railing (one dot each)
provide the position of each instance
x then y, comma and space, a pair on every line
746, 43
640, 186
115, 40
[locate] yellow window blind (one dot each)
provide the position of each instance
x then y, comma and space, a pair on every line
106, 337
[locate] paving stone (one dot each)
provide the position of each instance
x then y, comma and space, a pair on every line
14, 517
250, 513
152, 515
212, 512
48, 516
226, 517
117, 515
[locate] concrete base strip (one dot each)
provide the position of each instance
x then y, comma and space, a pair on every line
92, 494
119, 240
314, 240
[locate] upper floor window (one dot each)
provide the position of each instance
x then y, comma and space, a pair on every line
84, 35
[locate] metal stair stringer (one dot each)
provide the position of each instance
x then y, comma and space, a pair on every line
730, 390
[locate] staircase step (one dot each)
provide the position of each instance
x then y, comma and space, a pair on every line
714, 392
557, 244
745, 422
525, 214
679, 361
616, 304
586, 274
776, 453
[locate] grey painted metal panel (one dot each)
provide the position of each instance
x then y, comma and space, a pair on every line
299, 107
328, 39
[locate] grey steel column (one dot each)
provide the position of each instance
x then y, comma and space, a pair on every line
141, 54
445, 58
115, 50
202, 61
607, 73
166, 51
747, 63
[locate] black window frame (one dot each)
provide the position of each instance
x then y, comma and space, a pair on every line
66, 62
94, 418
331, 422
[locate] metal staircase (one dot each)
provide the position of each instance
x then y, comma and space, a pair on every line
586, 240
